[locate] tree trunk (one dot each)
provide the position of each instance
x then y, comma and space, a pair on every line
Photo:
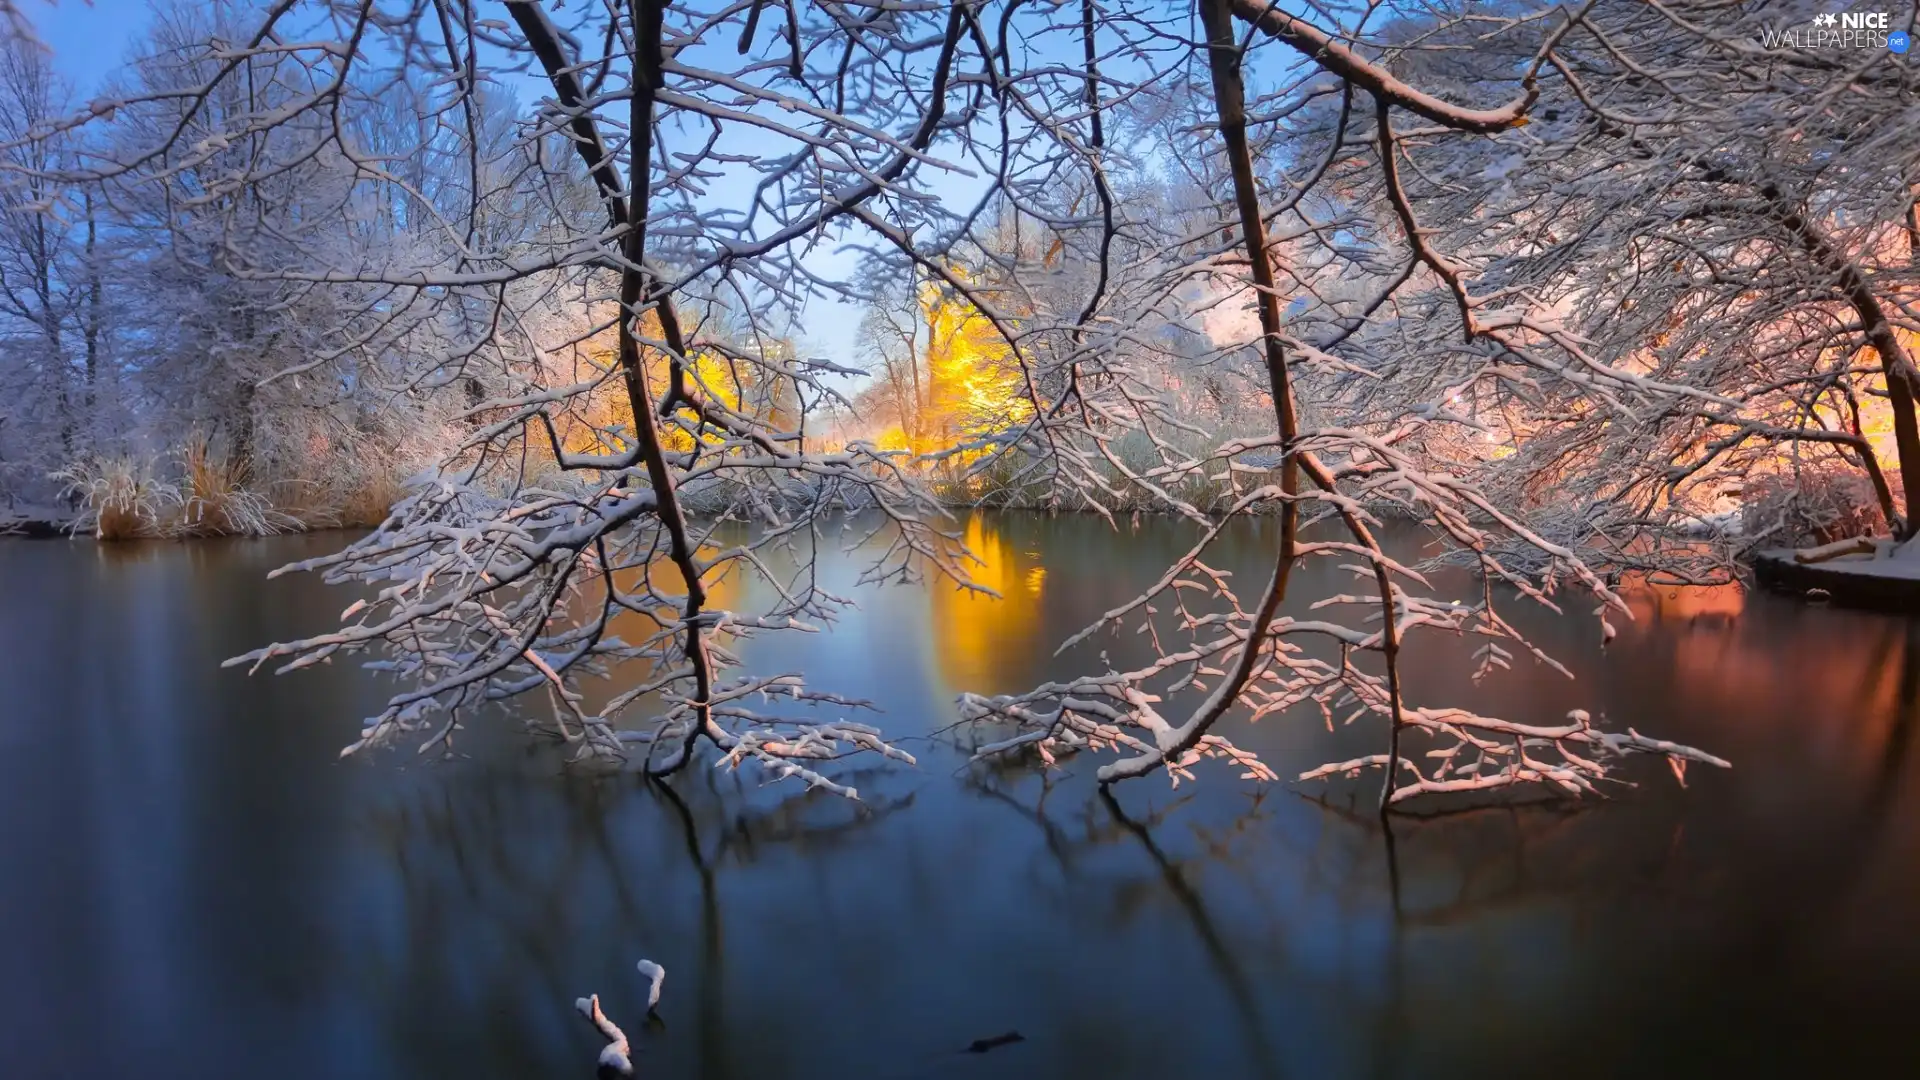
1230, 103
1903, 380
241, 434
93, 315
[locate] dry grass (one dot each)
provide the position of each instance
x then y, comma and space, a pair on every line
307, 502
350, 498
121, 498
215, 501
365, 505
130, 498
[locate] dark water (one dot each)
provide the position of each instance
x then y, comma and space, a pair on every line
191, 885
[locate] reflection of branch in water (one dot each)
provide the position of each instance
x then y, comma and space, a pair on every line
789, 821
1483, 861
483, 857
454, 838
1900, 739
1776, 902
1093, 830
1395, 1023
1224, 961
709, 1010
782, 823
1064, 846
1489, 853
1906, 717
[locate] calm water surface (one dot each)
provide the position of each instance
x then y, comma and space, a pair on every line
192, 885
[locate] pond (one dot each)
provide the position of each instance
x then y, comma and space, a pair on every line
192, 883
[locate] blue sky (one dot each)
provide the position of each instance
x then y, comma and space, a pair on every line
88, 40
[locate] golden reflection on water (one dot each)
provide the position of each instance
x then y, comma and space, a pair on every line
1736, 667
722, 586
724, 591
973, 634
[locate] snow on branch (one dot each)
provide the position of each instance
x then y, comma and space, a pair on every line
616, 1058
1097, 269
1480, 754
1342, 60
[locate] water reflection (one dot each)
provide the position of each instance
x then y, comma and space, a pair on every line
1219, 951
183, 852
1753, 662
516, 897
972, 632
1690, 605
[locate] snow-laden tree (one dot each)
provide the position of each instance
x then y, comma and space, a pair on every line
999, 156
1345, 214
211, 211
1696, 206
51, 316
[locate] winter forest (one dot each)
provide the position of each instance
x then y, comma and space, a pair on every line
1413, 409
1591, 292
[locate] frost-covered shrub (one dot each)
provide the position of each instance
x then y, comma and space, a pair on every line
120, 498
1816, 504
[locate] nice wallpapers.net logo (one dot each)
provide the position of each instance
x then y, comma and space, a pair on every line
1840, 30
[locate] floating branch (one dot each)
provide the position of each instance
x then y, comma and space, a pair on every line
656, 975
616, 1058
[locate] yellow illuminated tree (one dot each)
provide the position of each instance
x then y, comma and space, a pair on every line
601, 421
948, 377
975, 381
